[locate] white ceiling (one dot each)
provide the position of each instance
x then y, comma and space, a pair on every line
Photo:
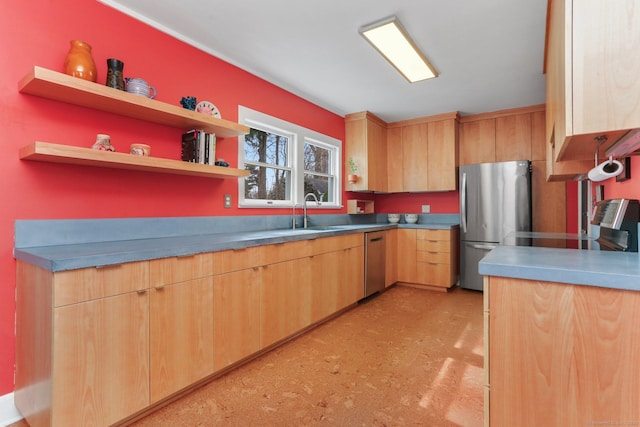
489, 53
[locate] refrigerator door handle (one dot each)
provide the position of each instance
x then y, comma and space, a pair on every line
488, 247
463, 203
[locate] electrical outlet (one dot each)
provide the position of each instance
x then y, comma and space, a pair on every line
426, 208
227, 201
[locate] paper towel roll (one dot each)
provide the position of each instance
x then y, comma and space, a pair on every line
605, 170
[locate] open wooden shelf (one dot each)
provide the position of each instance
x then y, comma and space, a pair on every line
56, 153
355, 206
61, 87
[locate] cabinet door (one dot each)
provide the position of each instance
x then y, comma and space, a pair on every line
395, 174
477, 142
391, 267
236, 316
350, 283
285, 300
407, 255
181, 337
100, 360
376, 156
415, 157
513, 137
326, 275
442, 143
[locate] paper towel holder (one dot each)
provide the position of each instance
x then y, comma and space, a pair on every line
610, 169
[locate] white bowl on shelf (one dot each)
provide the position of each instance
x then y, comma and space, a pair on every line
393, 218
411, 218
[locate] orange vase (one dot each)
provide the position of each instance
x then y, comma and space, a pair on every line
79, 62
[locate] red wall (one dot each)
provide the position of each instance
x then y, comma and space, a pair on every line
37, 32
629, 189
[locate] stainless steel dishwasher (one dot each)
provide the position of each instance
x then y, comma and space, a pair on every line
374, 262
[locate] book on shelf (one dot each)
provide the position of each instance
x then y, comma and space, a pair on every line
199, 147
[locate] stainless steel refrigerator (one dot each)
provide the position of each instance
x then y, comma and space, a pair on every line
495, 200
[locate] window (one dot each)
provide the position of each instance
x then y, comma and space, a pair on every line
286, 162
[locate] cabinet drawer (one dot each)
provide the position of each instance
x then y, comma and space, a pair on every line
433, 257
86, 284
335, 243
238, 259
165, 271
422, 234
433, 245
435, 274
286, 251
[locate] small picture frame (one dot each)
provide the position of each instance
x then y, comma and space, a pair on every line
626, 173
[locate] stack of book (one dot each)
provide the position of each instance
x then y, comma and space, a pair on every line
199, 147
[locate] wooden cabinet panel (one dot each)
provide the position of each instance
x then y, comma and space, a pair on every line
395, 174
549, 202
391, 259
415, 157
350, 285
538, 145
85, 284
238, 259
442, 143
181, 335
236, 316
513, 137
165, 271
365, 137
285, 300
324, 284
437, 257
281, 252
407, 255
100, 360
577, 348
477, 141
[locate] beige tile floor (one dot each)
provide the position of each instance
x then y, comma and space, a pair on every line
408, 357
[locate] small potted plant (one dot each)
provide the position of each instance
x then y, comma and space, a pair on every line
353, 168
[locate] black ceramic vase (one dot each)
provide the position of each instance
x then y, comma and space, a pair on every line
115, 77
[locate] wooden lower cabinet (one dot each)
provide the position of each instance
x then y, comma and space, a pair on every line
428, 257
391, 258
85, 363
560, 354
236, 318
97, 345
181, 319
285, 300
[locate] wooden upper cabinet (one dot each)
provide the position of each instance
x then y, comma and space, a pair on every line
365, 136
538, 145
415, 157
443, 150
422, 154
478, 141
395, 174
513, 137
592, 75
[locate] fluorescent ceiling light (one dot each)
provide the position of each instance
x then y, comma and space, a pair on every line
393, 42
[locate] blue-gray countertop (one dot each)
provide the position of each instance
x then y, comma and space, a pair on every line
71, 246
618, 270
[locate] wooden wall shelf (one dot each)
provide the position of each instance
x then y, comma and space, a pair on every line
56, 153
61, 87
356, 206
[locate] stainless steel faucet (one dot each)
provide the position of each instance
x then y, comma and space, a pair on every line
304, 206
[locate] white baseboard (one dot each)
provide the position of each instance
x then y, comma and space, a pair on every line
9, 414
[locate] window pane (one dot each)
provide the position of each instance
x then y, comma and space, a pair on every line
266, 147
316, 159
267, 183
321, 186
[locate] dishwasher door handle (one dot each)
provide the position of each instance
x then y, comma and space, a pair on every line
376, 239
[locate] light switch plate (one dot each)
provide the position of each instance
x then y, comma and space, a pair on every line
426, 208
227, 201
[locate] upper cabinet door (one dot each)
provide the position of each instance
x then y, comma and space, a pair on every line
442, 143
415, 157
592, 74
365, 136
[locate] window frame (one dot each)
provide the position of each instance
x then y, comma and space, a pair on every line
298, 137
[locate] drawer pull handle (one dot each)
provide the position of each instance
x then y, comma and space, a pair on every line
141, 291
100, 267
185, 256
159, 288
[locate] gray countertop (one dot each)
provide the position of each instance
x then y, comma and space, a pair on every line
69, 256
617, 270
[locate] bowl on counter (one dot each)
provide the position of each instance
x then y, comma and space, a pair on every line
411, 218
393, 218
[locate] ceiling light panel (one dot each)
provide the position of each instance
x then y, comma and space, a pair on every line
390, 39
